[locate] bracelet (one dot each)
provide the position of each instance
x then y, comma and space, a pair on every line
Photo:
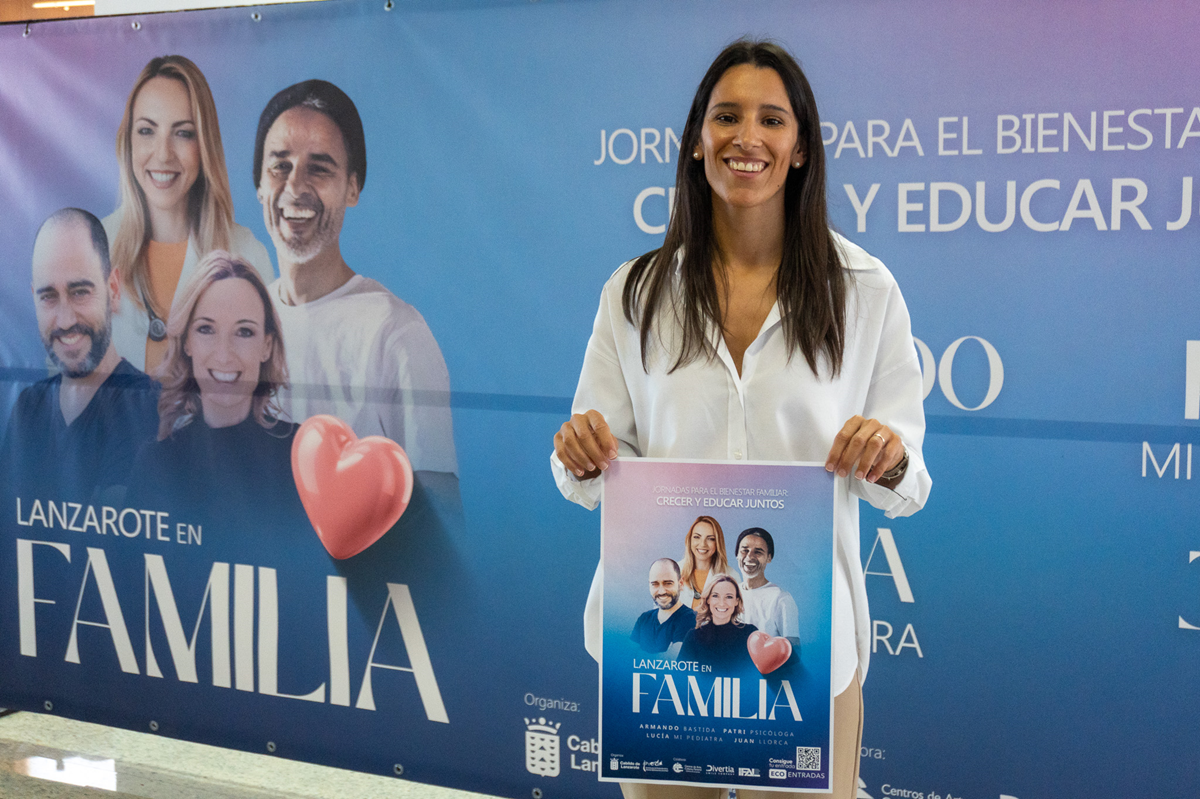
897, 470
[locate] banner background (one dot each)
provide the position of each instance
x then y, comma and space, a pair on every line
1039, 646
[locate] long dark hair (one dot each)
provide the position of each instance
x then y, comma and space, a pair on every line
811, 282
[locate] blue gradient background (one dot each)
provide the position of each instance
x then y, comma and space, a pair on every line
1048, 574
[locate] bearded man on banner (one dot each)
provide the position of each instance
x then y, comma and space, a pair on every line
74, 436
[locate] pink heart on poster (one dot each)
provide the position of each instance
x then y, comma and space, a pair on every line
353, 489
768, 653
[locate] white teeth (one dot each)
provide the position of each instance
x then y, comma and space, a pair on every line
162, 177
224, 377
739, 166
298, 213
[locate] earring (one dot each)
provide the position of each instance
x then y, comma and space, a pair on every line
796, 164
697, 155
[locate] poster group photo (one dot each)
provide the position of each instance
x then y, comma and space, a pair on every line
718, 595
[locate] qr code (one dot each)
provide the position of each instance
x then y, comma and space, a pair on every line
808, 758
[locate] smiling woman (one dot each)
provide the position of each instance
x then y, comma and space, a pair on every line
220, 445
225, 359
756, 333
175, 203
720, 637
704, 558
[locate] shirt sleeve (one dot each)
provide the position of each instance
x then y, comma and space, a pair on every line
418, 414
636, 634
602, 387
895, 399
789, 617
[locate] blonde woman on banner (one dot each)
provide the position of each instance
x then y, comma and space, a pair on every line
222, 452
757, 333
175, 203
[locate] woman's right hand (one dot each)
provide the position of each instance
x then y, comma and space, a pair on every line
585, 445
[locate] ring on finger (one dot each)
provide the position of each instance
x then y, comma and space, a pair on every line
882, 440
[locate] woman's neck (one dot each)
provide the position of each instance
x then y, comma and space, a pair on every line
749, 239
169, 227
225, 414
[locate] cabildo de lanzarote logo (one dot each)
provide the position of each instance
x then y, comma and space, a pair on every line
542, 747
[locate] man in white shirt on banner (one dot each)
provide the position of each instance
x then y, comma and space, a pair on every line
354, 349
767, 606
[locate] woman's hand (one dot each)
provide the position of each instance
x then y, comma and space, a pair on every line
868, 443
585, 445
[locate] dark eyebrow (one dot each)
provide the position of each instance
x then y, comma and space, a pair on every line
280, 153
767, 106
74, 284
182, 122
324, 158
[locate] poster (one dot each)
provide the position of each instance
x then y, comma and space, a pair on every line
730, 684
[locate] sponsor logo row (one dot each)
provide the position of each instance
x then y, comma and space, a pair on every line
806, 764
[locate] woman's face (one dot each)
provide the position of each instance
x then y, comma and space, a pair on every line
750, 138
165, 150
227, 343
722, 602
703, 542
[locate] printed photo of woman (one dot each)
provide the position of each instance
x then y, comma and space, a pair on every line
175, 204
221, 450
704, 559
719, 639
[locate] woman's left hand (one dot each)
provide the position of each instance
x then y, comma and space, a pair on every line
869, 444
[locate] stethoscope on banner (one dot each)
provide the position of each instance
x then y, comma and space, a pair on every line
158, 328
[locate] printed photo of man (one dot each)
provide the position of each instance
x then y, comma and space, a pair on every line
662, 628
74, 435
768, 607
354, 349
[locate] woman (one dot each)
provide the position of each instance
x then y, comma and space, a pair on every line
719, 639
175, 203
756, 333
703, 558
221, 454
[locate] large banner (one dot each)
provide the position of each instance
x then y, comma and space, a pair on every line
1025, 170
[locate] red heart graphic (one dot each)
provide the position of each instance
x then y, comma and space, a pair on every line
768, 653
353, 489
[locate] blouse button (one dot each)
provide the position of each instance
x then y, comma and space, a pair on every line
737, 456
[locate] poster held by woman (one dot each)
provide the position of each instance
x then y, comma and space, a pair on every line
727, 709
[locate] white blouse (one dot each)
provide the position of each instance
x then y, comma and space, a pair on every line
776, 410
